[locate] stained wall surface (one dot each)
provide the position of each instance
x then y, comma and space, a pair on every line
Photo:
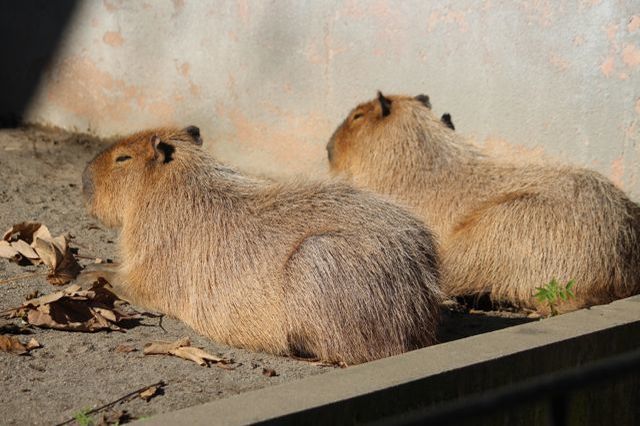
268, 81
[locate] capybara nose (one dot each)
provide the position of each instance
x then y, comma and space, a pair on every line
87, 184
330, 150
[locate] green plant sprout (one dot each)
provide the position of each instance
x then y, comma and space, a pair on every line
82, 418
553, 294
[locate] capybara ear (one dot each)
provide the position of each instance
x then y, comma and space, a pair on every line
385, 104
194, 132
153, 143
162, 151
446, 120
424, 99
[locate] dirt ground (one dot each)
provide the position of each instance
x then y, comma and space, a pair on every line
40, 181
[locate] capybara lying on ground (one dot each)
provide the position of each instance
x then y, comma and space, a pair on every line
297, 268
504, 230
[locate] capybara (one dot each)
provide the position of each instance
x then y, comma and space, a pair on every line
505, 230
313, 269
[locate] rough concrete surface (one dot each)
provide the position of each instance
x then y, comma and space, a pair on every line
40, 180
454, 370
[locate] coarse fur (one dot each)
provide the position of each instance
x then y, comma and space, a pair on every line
504, 230
292, 268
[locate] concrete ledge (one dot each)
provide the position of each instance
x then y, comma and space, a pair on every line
443, 372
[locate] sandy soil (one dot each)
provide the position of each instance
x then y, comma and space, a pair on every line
40, 181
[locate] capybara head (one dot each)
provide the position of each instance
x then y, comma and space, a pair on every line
125, 168
381, 125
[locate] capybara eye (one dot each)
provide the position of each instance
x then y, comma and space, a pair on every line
123, 158
358, 115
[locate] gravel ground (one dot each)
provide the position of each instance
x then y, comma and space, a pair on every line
40, 181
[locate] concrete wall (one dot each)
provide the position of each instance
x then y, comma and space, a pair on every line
426, 379
268, 81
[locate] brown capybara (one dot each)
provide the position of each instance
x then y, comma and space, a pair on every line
504, 230
297, 268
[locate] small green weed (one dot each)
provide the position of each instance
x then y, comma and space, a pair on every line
553, 294
82, 418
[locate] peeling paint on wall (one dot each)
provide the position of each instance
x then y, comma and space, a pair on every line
617, 172
634, 24
82, 89
631, 55
268, 82
113, 38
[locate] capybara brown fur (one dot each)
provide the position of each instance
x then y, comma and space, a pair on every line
313, 269
505, 230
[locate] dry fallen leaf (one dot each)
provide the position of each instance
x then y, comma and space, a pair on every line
228, 365
269, 372
182, 348
32, 295
49, 253
32, 243
33, 344
10, 328
22, 231
149, 392
7, 251
25, 250
12, 345
63, 265
125, 349
74, 309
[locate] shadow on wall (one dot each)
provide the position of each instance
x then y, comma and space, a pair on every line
30, 33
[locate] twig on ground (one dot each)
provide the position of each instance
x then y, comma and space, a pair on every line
128, 396
104, 260
161, 316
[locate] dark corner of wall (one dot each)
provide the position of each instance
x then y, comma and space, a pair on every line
30, 34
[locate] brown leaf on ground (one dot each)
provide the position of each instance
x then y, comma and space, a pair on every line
269, 372
23, 231
12, 345
32, 295
26, 251
125, 349
49, 253
57, 255
163, 348
33, 344
10, 328
75, 309
7, 251
182, 348
228, 366
149, 392
32, 243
